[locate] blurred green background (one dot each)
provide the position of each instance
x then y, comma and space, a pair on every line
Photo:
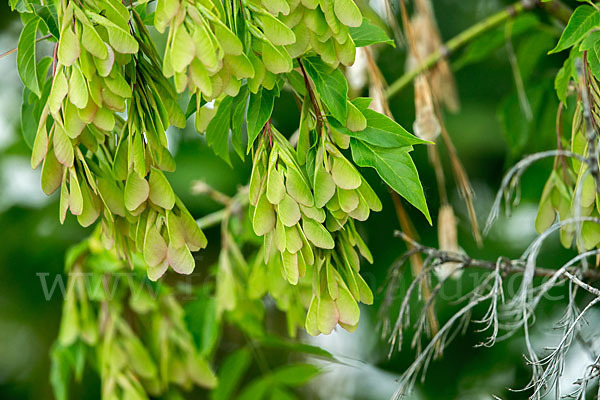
490, 133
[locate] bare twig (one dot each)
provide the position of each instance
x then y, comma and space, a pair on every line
239, 201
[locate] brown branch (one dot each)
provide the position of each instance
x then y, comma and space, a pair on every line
508, 266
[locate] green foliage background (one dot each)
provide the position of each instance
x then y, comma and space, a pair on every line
33, 242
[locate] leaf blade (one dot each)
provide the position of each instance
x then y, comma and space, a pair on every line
583, 19
26, 64
396, 168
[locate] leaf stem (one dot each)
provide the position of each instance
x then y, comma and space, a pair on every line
555, 8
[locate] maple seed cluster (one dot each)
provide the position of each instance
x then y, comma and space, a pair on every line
106, 166
571, 190
102, 138
284, 208
88, 88
309, 224
131, 365
205, 55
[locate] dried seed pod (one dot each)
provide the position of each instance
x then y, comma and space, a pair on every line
426, 125
448, 241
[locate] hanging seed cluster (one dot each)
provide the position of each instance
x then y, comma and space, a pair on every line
571, 191
106, 166
160, 225
306, 214
132, 365
266, 277
346, 197
284, 208
88, 89
319, 26
102, 139
204, 52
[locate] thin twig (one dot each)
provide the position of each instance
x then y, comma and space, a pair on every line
507, 266
48, 36
558, 11
240, 200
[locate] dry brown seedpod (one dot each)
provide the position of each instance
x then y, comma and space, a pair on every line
427, 41
448, 241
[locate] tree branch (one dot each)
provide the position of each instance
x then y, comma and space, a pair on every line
508, 266
555, 8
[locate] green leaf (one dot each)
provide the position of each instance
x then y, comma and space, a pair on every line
191, 107
330, 84
260, 108
201, 317
564, 75
367, 34
532, 49
519, 131
237, 119
294, 346
32, 107
217, 131
26, 63
396, 168
61, 370
230, 374
48, 15
280, 393
381, 130
594, 60
583, 19
255, 390
295, 375
14, 5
